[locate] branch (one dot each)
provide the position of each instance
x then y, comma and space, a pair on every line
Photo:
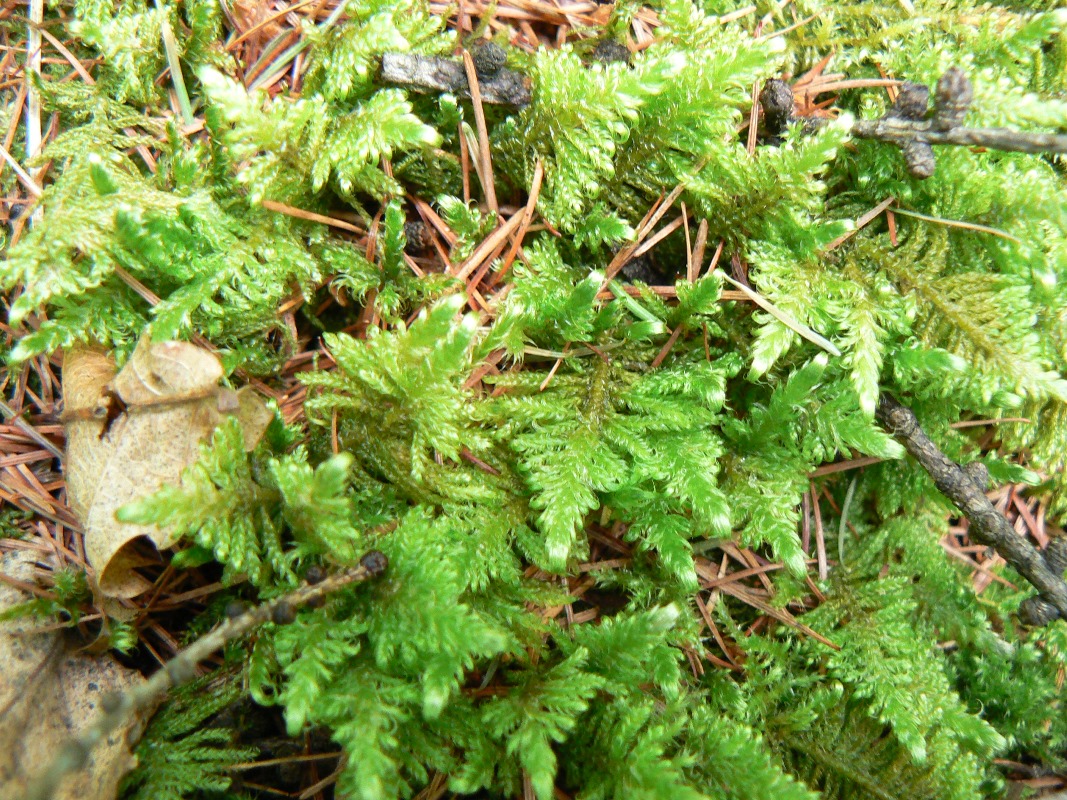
988, 526
911, 127
902, 131
436, 74
117, 708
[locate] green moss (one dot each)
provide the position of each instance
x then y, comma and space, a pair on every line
636, 429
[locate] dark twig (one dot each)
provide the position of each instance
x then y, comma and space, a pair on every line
907, 126
435, 74
118, 708
966, 488
898, 131
911, 127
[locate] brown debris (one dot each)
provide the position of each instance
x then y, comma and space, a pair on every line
437, 74
48, 694
129, 434
987, 525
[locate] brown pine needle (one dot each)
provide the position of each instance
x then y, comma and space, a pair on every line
844, 466
267, 21
666, 348
820, 536
783, 616
955, 223
801, 330
311, 216
861, 223
484, 156
527, 218
488, 245
23, 175
661, 234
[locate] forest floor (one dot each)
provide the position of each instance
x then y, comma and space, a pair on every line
265, 39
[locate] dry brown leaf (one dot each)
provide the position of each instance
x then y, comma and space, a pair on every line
131, 433
49, 694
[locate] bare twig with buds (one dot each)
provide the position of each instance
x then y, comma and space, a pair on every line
965, 486
909, 126
118, 708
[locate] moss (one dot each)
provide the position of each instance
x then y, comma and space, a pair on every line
559, 463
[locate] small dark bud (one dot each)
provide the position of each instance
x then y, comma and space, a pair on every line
912, 101
283, 614
16, 211
418, 237
609, 51
316, 602
979, 473
1037, 612
777, 102
315, 574
374, 562
952, 98
235, 608
919, 157
489, 59
1056, 555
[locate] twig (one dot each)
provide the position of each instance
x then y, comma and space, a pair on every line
899, 131
436, 74
911, 127
182, 668
987, 525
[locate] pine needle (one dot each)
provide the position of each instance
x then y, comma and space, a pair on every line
785, 319
954, 223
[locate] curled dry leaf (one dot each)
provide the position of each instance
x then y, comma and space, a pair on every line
49, 693
130, 433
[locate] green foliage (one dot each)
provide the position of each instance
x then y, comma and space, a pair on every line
413, 375
69, 591
897, 672
240, 510
336, 134
558, 475
182, 753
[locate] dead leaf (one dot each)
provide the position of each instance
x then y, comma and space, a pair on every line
130, 434
49, 693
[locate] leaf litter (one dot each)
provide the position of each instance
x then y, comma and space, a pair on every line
130, 433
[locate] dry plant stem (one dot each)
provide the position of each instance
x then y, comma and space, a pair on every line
901, 132
988, 526
33, 99
182, 668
